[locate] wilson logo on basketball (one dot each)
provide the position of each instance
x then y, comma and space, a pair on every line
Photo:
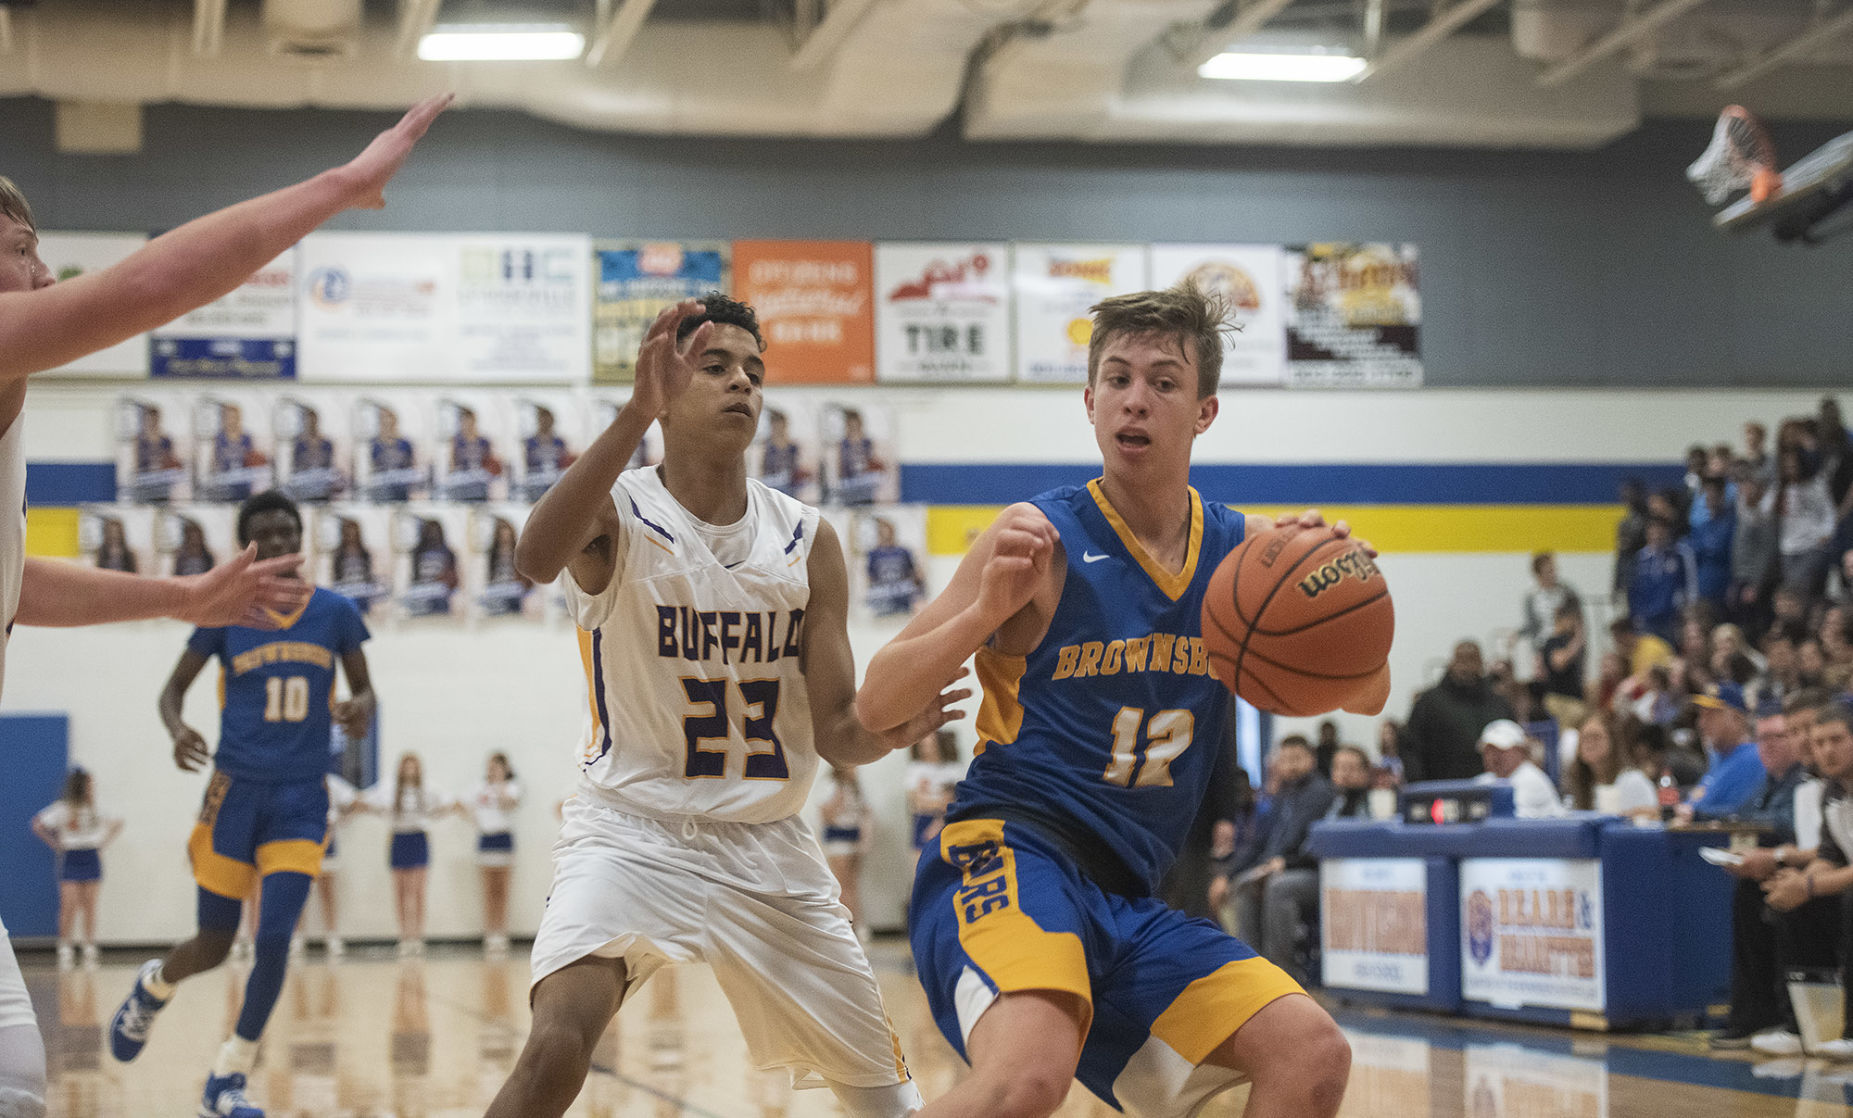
1352, 564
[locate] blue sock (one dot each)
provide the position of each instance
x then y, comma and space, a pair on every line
285, 894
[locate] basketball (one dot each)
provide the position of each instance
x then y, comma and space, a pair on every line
1299, 622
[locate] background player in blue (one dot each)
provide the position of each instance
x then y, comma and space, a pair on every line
266, 807
1044, 956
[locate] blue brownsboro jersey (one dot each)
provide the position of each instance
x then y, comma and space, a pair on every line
1106, 732
279, 689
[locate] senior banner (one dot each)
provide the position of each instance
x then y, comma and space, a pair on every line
1531, 932
1374, 928
248, 334
634, 281
1354, 318
445, 308
1055, 285
1251, 279
943, 312
816, 306
68, 255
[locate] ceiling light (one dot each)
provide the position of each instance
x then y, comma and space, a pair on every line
1236, 66
501, 42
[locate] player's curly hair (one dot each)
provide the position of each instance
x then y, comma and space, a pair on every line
1186, 313
270, 500
13, 204
723, 311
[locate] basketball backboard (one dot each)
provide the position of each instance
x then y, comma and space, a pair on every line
1796, 202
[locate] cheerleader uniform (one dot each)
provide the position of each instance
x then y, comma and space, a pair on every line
493, 806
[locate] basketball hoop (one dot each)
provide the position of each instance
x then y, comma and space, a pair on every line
1740, 157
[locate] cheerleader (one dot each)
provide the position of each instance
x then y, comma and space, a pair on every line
411, 808
77, 834
493, 806
932, 772
343, 801
847, 830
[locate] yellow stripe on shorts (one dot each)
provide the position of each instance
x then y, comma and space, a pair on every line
290, 856
1212, 1008
215, 873
1014, 952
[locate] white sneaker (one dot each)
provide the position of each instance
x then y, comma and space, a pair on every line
336, 948
297, 946
91, 956
405, 949
1841, 1049
1777, 1042
495, 945
67, 956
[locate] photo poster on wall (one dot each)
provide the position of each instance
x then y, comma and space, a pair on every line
857, 442
192, 539
942, 312
430, 578
603, 412
1055, 285
233, 453
247, 334
445, 308
474, 438
549, 435
633, 281
1251, 280
490, 543
816, 306
68, 255
887, 562
117, 537
312, 434
1354, 316
154, 446
392, 444
353, 553
785, 456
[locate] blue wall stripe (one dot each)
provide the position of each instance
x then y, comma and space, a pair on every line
70, 483
1477, 483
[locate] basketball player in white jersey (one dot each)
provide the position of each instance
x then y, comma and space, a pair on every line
715, 616
43, 326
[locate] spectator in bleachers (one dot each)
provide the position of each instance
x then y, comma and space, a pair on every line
1780, 678
1389, 756
1560, 667
1734, 770
1811, 663
1266, 913
1753, 556
1543, 601
1351, 783
1711, 539
1697, 460
1755, 459
1789, 612
1602, 778
1610, 674
1836, 448
1326, 747
1630, 535
1508, 756
1665, 579
1638, 651
1837, 646
1440, 741
1805, 518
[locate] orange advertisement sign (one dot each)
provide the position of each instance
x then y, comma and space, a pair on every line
816, 303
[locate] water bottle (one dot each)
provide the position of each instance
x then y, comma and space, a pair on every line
1669, 795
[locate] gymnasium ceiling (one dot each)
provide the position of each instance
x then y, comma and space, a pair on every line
1570, 74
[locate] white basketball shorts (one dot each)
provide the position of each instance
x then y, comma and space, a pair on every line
15, 1003
752, 900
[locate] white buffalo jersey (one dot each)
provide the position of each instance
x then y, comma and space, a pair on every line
692, 657
12, 529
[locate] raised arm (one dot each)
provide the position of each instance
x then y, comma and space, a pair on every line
571, 525
196, 263
1008, 568
190, 751
242, 591
830, 670
355, 713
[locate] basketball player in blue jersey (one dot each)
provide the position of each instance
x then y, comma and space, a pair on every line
44, 325
1044, 955
265, 815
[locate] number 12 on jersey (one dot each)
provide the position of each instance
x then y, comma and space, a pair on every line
1166, 736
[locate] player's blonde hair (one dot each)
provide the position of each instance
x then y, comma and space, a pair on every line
13, 204
1195, 318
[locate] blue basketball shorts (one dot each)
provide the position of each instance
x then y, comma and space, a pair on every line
997, 908
248, 828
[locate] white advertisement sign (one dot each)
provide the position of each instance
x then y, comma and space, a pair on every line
483, 307
1055, 286
1354, 316
1374, 924
942, 312
249, 333
1252, 280
1531, 932
69, 255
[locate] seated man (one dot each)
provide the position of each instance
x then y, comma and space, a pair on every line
1266, 913
1507, 753
1735, 770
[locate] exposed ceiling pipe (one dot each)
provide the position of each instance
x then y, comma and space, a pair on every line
1775, 56
1249, 18
1439, 27
416, 18
616, 29
208, 27
840, 18
1630, 30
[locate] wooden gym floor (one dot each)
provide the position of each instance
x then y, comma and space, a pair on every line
372, 1037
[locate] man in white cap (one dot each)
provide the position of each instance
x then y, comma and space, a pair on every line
1506, 752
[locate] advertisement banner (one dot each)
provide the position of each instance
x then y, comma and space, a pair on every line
1055, 285
943, 312
1531, 932
449, 308
249, 334
816, 304
1251, 279
1354, 317
1374, 924
68, 255
634, 281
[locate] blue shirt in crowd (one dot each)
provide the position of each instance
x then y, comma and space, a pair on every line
1733, 778
1664, 579
1711, 552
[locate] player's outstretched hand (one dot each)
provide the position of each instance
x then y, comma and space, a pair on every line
190, 751
1313, 518
1021, 548
373, 168
665, 365
244, 591
931, 718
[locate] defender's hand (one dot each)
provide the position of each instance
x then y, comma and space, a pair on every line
935, 715
244, 591
372, 169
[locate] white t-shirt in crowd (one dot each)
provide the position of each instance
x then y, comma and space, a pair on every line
493, 806
1533, 794
1631, 790
1808, 813
76, 829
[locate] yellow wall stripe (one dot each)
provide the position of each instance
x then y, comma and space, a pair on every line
52, 532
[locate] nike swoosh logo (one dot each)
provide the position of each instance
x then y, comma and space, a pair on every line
1090, 557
